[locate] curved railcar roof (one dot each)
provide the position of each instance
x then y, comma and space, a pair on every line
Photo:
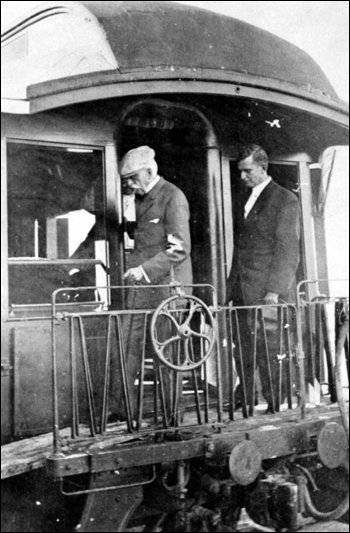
135, 41
152, 34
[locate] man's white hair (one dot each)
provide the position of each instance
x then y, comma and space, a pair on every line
154, 168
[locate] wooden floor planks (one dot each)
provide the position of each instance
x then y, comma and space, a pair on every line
29, 454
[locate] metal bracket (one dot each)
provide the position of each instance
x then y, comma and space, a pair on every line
109, 488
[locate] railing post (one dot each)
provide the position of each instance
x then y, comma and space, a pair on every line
56, 443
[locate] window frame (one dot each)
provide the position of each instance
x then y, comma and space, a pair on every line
112, 208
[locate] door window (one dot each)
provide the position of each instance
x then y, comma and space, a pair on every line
56, 228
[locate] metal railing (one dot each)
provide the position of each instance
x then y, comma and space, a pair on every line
321, 318
261, 344
91, 361
271, 350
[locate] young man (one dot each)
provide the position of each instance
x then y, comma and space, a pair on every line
265, 259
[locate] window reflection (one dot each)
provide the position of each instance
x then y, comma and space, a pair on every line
55, 216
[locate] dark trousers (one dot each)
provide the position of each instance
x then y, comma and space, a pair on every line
270, 354
258, 346
136, 345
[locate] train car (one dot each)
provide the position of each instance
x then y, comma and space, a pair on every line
83, 83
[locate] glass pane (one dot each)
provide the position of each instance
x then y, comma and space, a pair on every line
55, 216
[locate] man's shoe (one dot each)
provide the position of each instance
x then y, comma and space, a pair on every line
113, 418
238, 405
239, 402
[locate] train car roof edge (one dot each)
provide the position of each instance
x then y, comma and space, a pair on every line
166, 40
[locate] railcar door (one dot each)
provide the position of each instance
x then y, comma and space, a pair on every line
188, 155
56, 236
286, 174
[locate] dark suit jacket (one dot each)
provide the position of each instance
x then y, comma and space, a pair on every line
266, 252
162, 241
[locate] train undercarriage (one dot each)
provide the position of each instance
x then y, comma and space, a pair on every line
190, 480
286, 469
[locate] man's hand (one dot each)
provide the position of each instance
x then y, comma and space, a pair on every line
133, 275
271, 298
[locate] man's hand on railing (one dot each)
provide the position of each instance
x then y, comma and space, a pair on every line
133, 275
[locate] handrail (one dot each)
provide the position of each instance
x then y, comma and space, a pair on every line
309, 281
276, 345
51, 262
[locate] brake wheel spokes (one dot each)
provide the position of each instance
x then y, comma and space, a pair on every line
178, 333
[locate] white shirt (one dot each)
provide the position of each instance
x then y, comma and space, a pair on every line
129, 212
148, 189
255, 195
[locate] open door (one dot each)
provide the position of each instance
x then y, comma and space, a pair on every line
188, 155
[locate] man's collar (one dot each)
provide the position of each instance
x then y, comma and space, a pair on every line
259, 188
152, 184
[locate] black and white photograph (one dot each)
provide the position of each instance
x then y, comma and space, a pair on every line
174, 266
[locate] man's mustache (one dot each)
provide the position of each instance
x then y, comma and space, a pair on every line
126, 189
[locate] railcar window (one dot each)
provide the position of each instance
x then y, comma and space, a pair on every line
56, 229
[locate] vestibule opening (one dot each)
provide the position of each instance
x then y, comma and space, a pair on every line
285, 174
188, 155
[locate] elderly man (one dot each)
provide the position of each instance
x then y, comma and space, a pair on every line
162, 234
265, 259
162, 247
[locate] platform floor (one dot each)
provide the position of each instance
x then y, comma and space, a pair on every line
31, 453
